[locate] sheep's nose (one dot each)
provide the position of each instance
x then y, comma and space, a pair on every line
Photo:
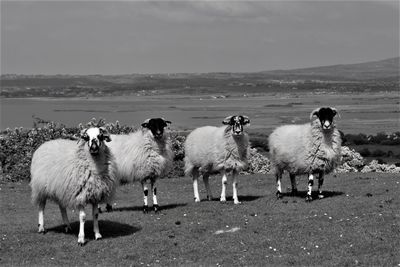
326, 124
94, 147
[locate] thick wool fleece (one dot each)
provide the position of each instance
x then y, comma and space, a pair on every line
68, 174
303, 149
139, 156
211, 149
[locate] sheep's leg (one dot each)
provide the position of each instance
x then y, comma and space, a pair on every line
195, 185
320, 183
234, 187
309, 189
206, 183
223, 191
95, 213
65, 218
145, 195
42, 205
82, 219
154, 190
293, 182
278, 176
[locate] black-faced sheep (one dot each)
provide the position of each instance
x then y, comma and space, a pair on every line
142, 156
73, 175
224, 149
312, 148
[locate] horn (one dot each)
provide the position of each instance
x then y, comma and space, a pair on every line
84, 135
246, 120
227, 120
145, 123
105, 134
314, 113
166, 121
336, 112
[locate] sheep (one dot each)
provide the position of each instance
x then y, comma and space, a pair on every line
143, 155
73, 174
210, 150
312, 148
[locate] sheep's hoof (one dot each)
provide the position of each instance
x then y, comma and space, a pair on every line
196, 199
237, 202
109, 208
279, 195
97, 236
156, 208
222, 199
41, 230
81, 241
294, 192
320, 196
308, 198
145, 209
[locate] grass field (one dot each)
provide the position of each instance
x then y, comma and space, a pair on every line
357, 223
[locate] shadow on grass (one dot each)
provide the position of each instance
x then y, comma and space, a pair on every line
140, 208
108, 229
303, 194
246, 198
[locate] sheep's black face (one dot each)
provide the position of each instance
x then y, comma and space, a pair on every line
156, 126
325, 116
237, 122
95, 138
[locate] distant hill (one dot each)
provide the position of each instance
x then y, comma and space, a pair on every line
369, 76
387, 69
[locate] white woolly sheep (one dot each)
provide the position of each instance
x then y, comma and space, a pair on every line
210, 150
73, 175
312, 148
143, 155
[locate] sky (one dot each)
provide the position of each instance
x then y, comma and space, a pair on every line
124, 37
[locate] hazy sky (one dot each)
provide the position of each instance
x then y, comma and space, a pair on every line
107, 37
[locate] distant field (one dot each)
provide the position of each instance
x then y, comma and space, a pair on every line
357, 223
367, 113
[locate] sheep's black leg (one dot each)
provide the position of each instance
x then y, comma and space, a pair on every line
293, 182
95, 215
207, 185
320, 183
145, 195
309, 189
154, 190
64, 216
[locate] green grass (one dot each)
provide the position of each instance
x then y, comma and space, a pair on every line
356, 224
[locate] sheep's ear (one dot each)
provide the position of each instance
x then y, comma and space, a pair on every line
335, 112
227, 120
315, 112
246, 120
84, 135
105, 134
